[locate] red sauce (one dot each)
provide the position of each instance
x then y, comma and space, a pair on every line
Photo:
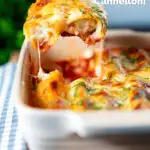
42, 3
74, 69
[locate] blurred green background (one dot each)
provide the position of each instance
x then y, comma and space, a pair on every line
12, 17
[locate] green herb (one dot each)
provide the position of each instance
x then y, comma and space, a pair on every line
141, 78
146, 78
98, 11
80, 102
123, 94
91, 15
89, 90
82, 10
133, 60
126, 53
93, 91
118, 103
76, 93
80, 84
127, 63
75, 88
98, 107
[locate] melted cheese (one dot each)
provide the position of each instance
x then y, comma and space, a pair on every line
114, 90
47, 20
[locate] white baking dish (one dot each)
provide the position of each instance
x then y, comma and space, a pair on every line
45, 129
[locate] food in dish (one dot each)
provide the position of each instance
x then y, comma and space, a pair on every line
124, 84
48, 19
107, 79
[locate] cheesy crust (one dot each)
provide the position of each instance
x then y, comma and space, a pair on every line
48, 19
124, 84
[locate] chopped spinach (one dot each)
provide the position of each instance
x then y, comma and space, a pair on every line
97, 107
93, 91
97, 10
80, 102
128, 64
82, 10
89, 90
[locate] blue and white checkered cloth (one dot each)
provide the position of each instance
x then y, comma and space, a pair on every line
10, 134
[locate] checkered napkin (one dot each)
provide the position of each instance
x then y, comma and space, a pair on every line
10, 134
